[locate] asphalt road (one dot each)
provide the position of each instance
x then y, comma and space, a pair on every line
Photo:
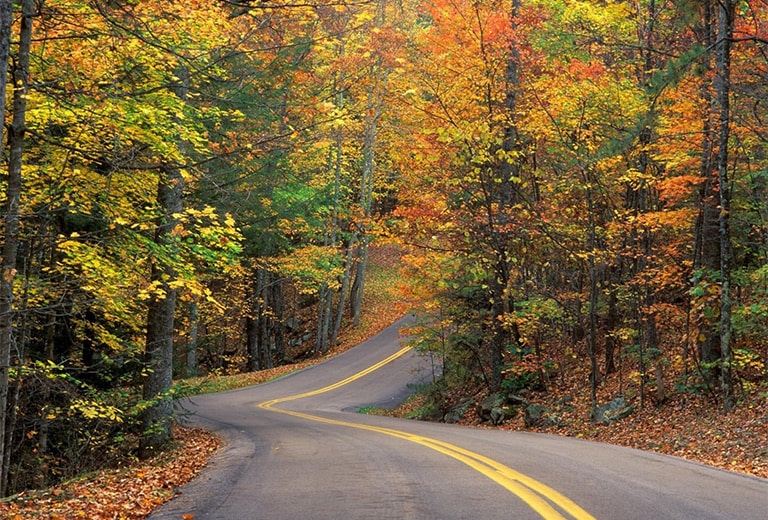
296, 449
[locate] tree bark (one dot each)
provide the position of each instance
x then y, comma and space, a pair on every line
160, 318
374, 106
345, 281
726, 16
13, 190
190, 364
707, 246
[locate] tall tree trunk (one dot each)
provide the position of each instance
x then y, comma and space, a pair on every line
726, 21
160, 318
190, 361
254, 322
612, 322
162, 305
324, 310
325, 305
345, 281
374, 106
500, 197
6, 23
594, 377
358, 285
13, 189
278, 328
707, 246
265, 319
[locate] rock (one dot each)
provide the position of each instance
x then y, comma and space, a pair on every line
496, 408
612, 411
457, 413
535, 415
499, 414
489, 403
516, 400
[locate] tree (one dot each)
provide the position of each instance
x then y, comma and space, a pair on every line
726, 23
20, 76
473, 157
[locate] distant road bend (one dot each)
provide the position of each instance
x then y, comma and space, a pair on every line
294, 451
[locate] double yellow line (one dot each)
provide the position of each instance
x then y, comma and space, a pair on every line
538, 496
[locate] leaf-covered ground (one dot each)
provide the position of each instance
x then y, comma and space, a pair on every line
128, 493
686, 426
691, 427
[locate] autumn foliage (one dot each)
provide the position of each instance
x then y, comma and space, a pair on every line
578, 189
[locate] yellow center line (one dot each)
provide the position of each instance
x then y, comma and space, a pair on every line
538, 496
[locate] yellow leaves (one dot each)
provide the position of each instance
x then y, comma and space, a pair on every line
310, 267
155, 289
95, 410
636, 179
611, 19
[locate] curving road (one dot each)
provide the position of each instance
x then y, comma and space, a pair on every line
294, 451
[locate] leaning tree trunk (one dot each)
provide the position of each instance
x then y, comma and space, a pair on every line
161, 309
13, 190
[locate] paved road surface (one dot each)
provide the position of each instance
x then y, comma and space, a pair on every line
296, 450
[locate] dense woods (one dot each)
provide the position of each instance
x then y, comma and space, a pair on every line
193, 188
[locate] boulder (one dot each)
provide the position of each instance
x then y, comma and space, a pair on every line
612, 411
535, 415
487, 405
500, 414
456, 414
496, 409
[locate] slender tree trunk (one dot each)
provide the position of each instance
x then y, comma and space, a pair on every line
374, 106
190, 365
500, 196
324, 310
160, 319
348, 264
276, 299
707, 247
594, 377
726, 22
265, 341
358, 286
611, 324
325, 305
13, 190
162, 305
6, 22
252, 342
13, 409
254, 328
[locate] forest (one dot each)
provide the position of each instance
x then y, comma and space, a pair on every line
191, 188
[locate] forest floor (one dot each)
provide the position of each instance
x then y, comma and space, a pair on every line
688, 426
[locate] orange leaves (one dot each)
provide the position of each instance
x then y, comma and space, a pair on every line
127, 494
679, 188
